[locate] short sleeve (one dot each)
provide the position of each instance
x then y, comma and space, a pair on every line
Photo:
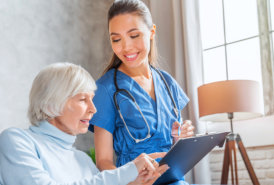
105, 115
182, 97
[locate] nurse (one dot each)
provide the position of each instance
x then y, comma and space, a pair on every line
138, 106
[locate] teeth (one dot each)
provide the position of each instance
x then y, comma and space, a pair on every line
131, 56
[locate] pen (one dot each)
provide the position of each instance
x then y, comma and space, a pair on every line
179, 129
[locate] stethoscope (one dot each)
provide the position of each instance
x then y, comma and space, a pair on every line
175, 109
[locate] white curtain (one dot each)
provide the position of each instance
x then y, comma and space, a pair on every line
179, 45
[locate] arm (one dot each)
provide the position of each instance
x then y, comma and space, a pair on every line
104, 159
103, 141
20, 164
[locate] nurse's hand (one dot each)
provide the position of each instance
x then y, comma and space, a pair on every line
149, 170
187, 130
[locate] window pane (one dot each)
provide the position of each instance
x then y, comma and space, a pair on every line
214, 65
211, 19
244, 60
241, 19
271, 2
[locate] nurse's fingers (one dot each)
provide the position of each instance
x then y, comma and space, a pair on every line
187, 129
157, 155
187, 126
187, 122
186, 133
174, 130
176, 125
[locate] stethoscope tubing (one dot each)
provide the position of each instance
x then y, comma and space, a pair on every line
118, 90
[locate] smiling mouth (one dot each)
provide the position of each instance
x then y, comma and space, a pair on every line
131, 57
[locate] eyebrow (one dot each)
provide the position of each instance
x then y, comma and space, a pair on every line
131, 30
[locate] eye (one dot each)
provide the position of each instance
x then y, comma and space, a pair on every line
82, 99
134, 36
117, 40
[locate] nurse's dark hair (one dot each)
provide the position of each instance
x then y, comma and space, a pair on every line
140, 9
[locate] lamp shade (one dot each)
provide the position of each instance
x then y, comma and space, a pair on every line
240, 97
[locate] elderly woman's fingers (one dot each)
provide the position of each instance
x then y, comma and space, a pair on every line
151, 166
159, 171
162, 169
144, 162
143, 173
147, 167
154, 163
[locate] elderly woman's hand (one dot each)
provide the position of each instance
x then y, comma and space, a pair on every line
149, 170
186, 130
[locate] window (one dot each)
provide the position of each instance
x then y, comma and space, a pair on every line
235, 38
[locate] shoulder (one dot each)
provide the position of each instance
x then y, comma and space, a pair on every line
168, 77
176, 90
105, 84
11, 133
107, 78
13, 137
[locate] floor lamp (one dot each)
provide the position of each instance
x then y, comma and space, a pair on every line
228, 101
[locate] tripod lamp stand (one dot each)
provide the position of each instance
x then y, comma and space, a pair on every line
227, 101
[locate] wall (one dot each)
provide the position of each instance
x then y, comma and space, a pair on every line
258, 138
36, 33
262, 160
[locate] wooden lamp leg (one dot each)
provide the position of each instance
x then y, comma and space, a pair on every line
247, 162
225, 164
229, 153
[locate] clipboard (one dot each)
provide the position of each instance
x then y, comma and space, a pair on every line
186, 153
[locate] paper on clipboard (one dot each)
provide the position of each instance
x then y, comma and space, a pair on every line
186, 153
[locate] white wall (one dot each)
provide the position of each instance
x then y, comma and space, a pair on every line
254, 133
36, 33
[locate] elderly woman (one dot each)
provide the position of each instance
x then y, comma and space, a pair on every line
60, 107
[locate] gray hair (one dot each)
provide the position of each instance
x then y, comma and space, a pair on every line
53, 86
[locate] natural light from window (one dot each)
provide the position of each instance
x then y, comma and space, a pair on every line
241, 20
238, 46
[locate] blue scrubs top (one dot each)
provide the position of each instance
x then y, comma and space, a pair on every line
159, 114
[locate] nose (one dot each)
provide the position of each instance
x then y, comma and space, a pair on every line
126, 44
92, 109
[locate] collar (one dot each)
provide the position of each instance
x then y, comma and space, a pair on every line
54, 134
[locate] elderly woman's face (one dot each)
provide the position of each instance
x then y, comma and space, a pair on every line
76, 114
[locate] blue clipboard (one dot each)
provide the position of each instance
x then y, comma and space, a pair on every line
186, 153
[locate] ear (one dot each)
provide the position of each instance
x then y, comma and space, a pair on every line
152, 30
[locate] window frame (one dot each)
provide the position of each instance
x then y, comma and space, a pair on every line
266, 52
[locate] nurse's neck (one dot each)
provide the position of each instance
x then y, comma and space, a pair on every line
142, 70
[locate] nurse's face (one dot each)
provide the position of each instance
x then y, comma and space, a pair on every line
76, 114
130, 39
